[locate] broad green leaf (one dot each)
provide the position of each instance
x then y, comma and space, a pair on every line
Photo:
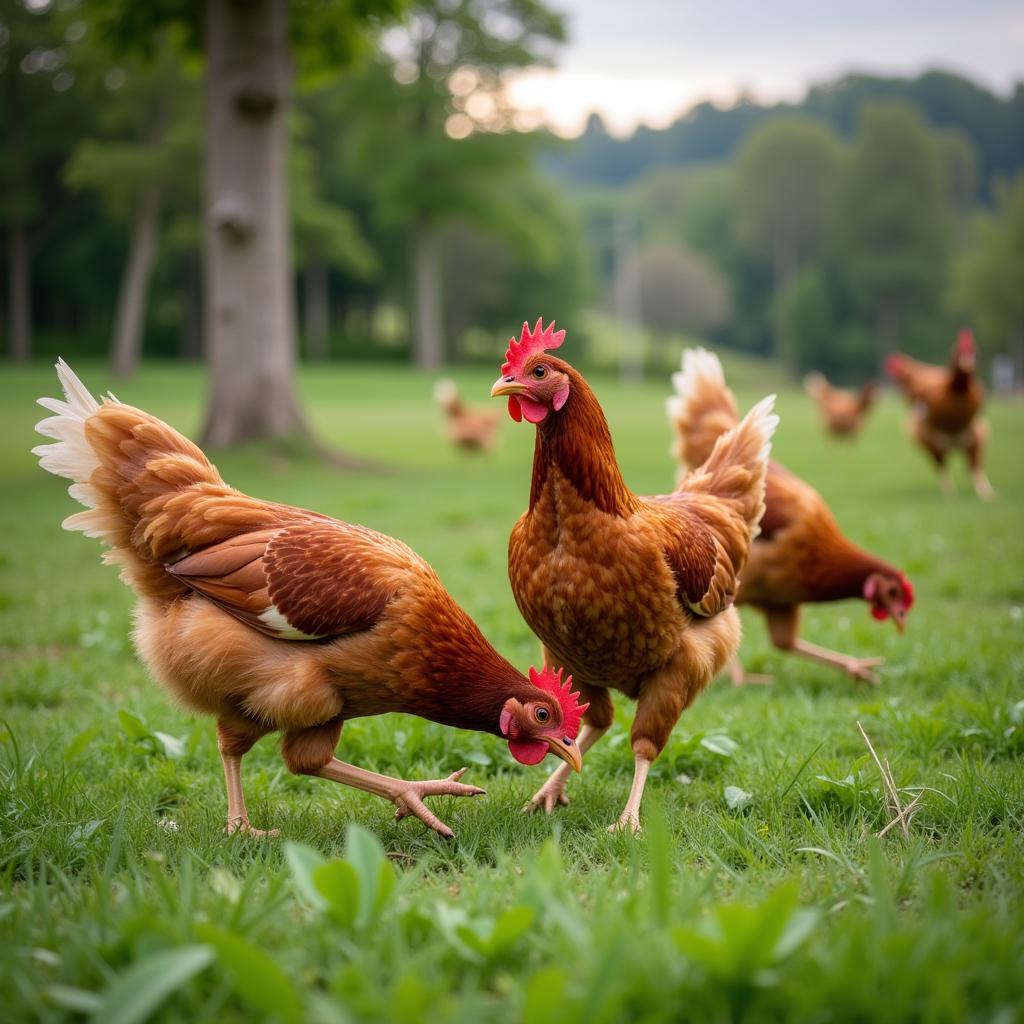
132, 726
339, 887
172, 746
303, 861
510, 927
737, 798
720, 744
80, 742
258, 979
68, 998
136, 993
376, 875
545, 997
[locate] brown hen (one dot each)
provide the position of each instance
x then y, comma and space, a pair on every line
843, 412
800, 556
945, 407
630, 594
272, 618
469, 428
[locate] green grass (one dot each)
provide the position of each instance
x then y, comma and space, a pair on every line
785, 907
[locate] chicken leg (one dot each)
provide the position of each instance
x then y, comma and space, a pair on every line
597, 719
233, 743
855, 668
406, 796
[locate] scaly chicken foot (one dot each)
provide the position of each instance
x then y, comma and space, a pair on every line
238, 817
629, 820
405, 795
857, 668
552, 793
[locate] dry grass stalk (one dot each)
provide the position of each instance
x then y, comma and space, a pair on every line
901, 814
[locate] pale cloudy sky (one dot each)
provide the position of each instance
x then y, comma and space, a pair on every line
646, 61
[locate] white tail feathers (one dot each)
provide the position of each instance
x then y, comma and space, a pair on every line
698, 366
445, 392
72, 456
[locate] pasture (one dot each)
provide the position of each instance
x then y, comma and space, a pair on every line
759, 889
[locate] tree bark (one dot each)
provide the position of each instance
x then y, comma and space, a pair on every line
249, 315
19, 291
427, 329
133, 296
317, 310
191, 336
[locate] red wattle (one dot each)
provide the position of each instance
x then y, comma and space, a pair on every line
513, 409
528, 751
879, 613
533, 411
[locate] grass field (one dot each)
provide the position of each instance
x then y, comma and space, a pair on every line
758, 890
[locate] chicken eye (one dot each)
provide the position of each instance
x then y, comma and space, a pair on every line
542, 714
540, 372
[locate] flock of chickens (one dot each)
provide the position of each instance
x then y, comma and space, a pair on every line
276, 619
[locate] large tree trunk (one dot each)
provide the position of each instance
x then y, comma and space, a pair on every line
317, 312
427, 329
191, 335
132, 299
249, 318
19, 291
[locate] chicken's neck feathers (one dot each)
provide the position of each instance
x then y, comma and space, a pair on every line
577, 442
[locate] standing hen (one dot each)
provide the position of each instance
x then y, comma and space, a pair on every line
800, 555
470, 429
273, 618
945, 407
630, 594
843, 412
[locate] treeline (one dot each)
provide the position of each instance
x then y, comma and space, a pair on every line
418, 215
822, 248
879, 214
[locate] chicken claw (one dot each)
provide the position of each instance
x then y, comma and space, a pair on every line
242, 826
409, 799
548, 797
629, 822
860, 669
739, 676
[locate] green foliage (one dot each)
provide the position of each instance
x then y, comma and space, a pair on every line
114, 865
990, 274
892, 229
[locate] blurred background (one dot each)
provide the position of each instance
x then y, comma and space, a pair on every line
382, 180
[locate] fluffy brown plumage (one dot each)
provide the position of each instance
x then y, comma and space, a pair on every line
800, 556
631, 594
273, 618
843, 412
945, 408
469, 428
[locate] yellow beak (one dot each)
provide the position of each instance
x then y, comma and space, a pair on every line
567, 750
504, 386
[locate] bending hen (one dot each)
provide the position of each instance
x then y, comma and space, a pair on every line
273, 618
800, 555
631, 594
843, 412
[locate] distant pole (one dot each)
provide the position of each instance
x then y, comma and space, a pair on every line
626, 296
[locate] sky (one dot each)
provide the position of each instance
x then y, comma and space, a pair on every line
648, 61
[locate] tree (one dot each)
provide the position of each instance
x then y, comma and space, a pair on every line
783, 190
432, 138
678, 289
147, 153
990, 274
39, 120
892, 214
249, 321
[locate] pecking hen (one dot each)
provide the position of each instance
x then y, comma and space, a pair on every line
271, 618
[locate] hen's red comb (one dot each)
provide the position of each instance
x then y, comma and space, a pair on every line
540, 339
569, 699
965, 340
